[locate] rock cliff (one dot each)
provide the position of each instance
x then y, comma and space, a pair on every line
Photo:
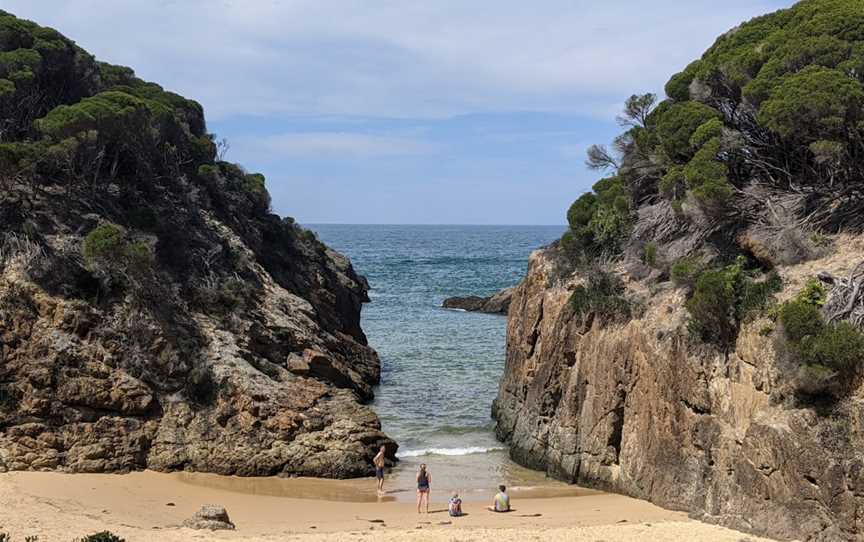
696, 338
642, 408
153, 312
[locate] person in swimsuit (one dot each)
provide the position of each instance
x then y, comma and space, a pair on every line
501, 501
424, 480
378, 461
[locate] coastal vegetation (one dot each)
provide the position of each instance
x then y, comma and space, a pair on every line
755, 153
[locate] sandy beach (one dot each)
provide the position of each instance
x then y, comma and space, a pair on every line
145, 506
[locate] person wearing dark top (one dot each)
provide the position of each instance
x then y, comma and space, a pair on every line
424, 480
378, 461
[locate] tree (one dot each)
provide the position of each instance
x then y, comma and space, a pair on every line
599, 158
814, 104
637, 109
678, 124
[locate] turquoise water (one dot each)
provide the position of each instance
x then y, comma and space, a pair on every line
440, 368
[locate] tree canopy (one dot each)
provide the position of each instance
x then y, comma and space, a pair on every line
777, 101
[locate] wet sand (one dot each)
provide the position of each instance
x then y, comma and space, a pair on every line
147, 506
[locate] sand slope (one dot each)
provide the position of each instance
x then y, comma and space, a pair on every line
148, 506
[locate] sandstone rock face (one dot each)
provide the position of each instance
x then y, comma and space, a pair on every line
638, 409
498, 303
210, 517
240, 352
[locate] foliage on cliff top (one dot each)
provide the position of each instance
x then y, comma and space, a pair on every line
66, 117
777, 102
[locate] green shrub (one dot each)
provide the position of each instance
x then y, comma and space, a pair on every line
814, 104
106, 249
813, 293
678, 87
839, 346
599, 220
706, 176
601, 297
649, 254
673, 184
755, 295
685, 271
104, 536
712, 306
712, 129
724, 298
677, 126
824, 350
105, 242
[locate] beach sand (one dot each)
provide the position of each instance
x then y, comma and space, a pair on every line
150, 506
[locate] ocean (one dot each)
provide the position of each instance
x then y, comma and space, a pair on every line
440, 368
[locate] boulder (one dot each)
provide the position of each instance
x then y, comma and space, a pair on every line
211, 517
498, 303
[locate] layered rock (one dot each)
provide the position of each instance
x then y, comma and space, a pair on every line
153, 312
642, 409
498, 303
165, 383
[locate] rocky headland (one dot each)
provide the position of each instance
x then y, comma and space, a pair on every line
695, 338
154, 314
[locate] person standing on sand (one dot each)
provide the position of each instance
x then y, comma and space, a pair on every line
378, 461
424, 481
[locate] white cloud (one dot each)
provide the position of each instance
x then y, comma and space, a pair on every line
396, 59
336, 144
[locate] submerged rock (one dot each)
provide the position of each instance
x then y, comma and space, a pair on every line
498, 303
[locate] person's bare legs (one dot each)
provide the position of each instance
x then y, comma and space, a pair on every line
428, 493
419, 500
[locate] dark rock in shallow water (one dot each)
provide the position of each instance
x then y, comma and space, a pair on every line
496, 304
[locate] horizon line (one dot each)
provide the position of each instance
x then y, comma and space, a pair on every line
424, 224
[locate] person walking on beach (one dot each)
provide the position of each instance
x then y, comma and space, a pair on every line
424, 480
501, 501
378, 461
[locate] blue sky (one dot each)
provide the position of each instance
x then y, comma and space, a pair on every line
386, 111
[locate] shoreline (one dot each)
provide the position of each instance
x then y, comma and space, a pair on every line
61, 507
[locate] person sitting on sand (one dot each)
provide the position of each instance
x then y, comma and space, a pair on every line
501, 501
378, 461
455, 507
424, 480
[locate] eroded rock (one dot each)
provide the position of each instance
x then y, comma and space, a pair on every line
640, 409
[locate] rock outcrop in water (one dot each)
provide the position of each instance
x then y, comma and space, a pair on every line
498, 303
643, 409
153, 313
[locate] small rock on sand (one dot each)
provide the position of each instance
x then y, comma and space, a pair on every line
210, 517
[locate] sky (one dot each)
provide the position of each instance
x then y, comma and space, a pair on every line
399, 111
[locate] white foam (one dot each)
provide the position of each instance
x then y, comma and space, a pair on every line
449, 451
